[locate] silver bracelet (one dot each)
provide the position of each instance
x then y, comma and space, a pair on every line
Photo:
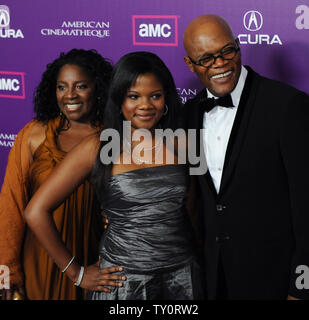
65, 269
80, 277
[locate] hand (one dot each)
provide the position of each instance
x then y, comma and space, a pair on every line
95, 279
14, 293
104, 219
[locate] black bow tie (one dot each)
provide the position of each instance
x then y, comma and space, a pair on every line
209, 103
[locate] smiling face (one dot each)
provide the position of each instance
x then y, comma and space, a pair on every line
208, 36
75, 93
144, 102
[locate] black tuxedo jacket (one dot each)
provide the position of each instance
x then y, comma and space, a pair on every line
259, 221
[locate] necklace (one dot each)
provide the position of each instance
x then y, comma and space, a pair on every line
137, 159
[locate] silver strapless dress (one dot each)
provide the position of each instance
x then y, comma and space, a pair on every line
150, 235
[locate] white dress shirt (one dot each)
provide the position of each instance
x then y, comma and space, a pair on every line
218, 124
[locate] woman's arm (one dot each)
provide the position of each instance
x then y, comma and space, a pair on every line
65, 178
13, 201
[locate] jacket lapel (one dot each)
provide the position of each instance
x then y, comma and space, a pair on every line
239, 128
197, 116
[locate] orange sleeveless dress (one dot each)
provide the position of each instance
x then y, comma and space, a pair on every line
75, 219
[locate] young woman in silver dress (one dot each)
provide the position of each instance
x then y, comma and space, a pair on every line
149, 232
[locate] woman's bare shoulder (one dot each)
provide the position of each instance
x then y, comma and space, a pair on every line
87, 148
37, 135
91, 142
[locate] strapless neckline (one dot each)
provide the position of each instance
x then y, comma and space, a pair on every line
140, 170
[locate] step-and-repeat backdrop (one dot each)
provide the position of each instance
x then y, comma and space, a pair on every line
274, 38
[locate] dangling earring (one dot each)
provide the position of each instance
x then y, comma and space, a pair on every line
166, 110
60, 114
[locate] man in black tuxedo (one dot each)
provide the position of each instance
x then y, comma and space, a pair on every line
255, 193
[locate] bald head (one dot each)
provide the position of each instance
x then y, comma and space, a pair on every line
205, 38
205, 28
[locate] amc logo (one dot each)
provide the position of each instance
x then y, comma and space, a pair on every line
12, 85
155, 30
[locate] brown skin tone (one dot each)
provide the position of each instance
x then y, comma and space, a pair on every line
144, 105
75, 97
209, 34
144, 102
69, 174
74, 86
145, 97
75, 93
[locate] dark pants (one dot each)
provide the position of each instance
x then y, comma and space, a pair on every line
222, 293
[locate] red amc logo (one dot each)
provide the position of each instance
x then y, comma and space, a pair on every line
155, 30
12, 85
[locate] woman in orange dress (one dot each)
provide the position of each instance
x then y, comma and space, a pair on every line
149, 232
69, 104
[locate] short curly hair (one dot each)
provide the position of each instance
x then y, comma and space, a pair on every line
97, 67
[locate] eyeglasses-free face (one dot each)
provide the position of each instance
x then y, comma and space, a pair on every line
228, 52
144, 102
75, 93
